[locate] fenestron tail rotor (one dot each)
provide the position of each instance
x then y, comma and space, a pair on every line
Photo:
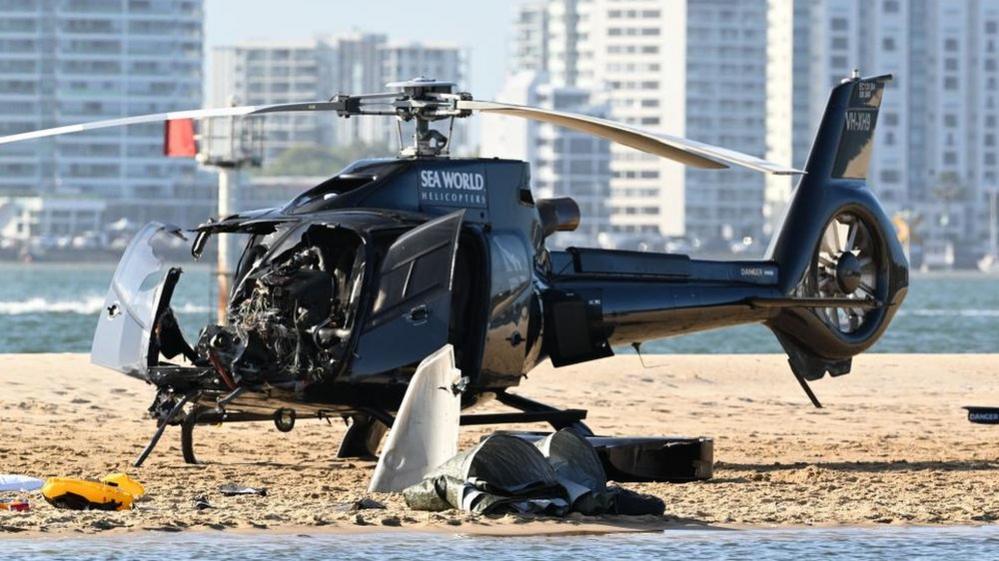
424, 100
846, 266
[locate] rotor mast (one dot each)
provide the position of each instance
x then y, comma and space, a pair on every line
421, 100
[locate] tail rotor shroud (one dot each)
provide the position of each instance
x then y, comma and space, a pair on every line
846, 266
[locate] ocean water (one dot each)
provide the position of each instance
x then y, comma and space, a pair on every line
791, 544
54, 308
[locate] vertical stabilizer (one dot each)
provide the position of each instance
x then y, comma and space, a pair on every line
845, 139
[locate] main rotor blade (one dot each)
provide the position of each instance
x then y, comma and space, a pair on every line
241, 111
687, 152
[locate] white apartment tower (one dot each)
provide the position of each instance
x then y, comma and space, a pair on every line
686, 68
263, 73
936, 147
531, 38
70, 61
354, 63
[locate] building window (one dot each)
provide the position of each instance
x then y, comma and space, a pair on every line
888, 43
839, 24
891, 6
889, 176
950, 83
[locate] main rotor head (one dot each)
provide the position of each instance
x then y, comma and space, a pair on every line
422, 100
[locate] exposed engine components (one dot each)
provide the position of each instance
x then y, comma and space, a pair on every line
289, 316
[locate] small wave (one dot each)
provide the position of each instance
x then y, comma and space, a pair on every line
85, 306
926, 312
191, 308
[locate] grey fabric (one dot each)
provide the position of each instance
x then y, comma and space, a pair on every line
500, 474
578, 468
503, 473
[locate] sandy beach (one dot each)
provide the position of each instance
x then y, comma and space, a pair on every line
891, 446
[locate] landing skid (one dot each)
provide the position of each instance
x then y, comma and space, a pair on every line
367, 427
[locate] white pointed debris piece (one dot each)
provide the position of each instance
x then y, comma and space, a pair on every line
425, 432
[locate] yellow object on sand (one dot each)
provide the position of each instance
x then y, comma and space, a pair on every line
126, 484
115, 492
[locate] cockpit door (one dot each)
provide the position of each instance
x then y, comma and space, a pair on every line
411, 311
122, 338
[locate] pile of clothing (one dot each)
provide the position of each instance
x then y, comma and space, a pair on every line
506, 474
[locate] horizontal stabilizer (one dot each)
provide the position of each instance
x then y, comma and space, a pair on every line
983, 415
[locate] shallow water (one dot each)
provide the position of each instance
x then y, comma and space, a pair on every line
826, 543
54, 308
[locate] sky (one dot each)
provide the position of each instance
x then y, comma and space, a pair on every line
483, 26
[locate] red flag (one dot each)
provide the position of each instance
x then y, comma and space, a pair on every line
178, 139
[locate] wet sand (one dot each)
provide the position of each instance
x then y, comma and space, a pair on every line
891, 446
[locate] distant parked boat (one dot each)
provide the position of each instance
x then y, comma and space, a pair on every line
938, 255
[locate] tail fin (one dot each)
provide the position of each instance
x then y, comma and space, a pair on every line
840, 156
845, 140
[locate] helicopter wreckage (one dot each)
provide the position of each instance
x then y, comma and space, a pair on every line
343, 291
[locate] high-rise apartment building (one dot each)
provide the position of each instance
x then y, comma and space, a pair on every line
70, 61
725, 106
936, 152
280, 72
263, 73
686, 68
531, 38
